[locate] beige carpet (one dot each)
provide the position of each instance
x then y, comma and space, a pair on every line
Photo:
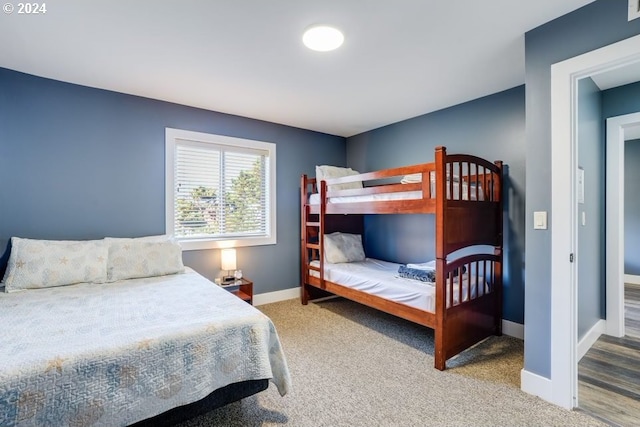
354, 366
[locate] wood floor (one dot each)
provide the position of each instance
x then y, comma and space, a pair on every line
609, 374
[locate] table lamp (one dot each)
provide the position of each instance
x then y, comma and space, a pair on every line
228, 262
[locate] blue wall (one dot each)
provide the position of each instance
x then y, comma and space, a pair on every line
83, 163
492, 127
596, 25
591, 237
621, 100
632, 207
617, 102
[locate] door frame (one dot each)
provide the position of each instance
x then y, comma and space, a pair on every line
564, 221
615, 221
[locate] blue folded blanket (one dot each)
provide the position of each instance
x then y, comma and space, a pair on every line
417, 274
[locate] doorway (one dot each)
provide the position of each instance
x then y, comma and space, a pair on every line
619, 129
607, 379
564, 79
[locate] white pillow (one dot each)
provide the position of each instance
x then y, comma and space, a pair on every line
35, 264
325, 172
411, 178
417, 177
143, 257
343, 247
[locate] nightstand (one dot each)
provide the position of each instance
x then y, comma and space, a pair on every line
243, 290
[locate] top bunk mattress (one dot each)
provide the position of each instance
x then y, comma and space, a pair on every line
468, 193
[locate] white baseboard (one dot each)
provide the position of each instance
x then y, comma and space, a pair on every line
513, 329
591, 337
630, 278
277, 296
536, 385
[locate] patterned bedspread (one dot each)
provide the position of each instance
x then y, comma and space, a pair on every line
116, 353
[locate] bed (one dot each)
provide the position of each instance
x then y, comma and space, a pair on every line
119, 351
463, 301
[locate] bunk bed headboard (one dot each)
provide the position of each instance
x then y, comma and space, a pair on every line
472, 216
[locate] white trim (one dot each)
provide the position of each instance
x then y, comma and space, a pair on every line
634, 10
591, 337
615, 221
630, 278
513, 329
563, 236
536, 385
564, 78
276, 296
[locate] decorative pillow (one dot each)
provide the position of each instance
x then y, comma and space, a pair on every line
343, 247
325, 172
35, 264
143, 257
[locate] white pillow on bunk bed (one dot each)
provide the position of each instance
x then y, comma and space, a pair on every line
325, 172
417, 177
343, 247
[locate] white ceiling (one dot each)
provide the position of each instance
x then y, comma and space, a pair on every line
400, 59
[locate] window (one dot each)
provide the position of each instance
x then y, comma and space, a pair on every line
220, 191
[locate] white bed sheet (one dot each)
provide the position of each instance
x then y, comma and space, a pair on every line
380, 278
116, 353
314, 198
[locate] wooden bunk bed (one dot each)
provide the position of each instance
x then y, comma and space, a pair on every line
464, 192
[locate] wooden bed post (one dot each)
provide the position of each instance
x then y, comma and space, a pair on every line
321, 220
441, 257
498, 249
304, 253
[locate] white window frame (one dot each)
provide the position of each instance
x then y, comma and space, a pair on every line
634, 9
171, 135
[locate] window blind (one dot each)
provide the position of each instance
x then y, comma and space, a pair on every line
221, 191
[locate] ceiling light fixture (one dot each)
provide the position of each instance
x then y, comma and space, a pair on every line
322, 38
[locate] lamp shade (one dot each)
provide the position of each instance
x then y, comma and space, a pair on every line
228, 259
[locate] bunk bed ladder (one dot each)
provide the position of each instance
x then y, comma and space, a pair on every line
312, 232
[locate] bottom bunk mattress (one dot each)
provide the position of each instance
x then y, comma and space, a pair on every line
116, 353
380, 278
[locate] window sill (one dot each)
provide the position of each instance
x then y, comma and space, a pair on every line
200, 244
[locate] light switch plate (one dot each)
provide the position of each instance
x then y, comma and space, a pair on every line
540, 220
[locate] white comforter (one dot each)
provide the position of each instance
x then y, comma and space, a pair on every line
116, 353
